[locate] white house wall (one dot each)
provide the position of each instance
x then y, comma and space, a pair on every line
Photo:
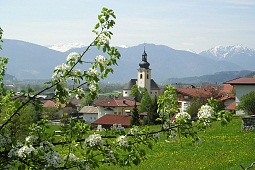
240, 91
115, 110
126, 93
154, 93
89, 118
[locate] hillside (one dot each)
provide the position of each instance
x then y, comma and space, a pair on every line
218, 77
31, 61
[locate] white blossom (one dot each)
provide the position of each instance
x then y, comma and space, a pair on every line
109, 156
94, 140
71, 158
93, 71
63, 67
100, 59
53, 159
55, 76
73, 56
13, 152
37, 128
166, 124
24, 151
205, 112
84, 167
122, 140
92, 87
182, 116
102, 39
75, 72
173, 135
4, 140
156, 136
79, 93
46, 146
118, 127
134, 131
31, 138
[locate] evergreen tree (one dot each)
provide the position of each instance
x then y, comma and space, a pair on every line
135, 120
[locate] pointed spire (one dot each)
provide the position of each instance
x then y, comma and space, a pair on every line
144, 63
144, 55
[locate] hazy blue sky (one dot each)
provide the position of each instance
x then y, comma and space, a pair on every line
183, 24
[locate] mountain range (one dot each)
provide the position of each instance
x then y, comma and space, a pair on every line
32, 61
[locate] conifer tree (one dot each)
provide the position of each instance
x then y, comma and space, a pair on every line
135, 120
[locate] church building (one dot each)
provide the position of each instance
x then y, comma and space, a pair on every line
143, 79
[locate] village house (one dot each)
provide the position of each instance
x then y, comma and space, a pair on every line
89, 114
52, 108
108, 120
71, 108
242, 86
186, 95
221, 92
115, 105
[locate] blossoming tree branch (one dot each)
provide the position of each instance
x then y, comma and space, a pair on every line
83, 148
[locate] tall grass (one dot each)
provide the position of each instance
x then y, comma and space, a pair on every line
221, 148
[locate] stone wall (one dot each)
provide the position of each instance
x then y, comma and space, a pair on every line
248, 123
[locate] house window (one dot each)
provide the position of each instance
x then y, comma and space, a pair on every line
186, 97
141, 76
125, 92
115, 112
95, 118
155, 92
147, 76
90, 118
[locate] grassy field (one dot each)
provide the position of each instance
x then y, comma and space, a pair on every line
224, 148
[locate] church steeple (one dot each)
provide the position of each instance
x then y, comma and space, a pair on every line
144, 63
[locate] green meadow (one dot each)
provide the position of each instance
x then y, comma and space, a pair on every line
221, 148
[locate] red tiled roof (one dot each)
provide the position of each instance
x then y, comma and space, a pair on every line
50, 103
227, 88
194, 92
117, 102
226, 96
110, 119
240, 81
231, 106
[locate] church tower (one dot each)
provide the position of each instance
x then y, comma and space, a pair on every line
144, 73
143, 80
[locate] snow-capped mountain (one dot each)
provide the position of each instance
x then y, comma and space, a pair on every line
224, 53
65, 47
239, 55
192, 51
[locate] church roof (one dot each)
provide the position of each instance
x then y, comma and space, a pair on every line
117, 102
132, 82
154, 85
